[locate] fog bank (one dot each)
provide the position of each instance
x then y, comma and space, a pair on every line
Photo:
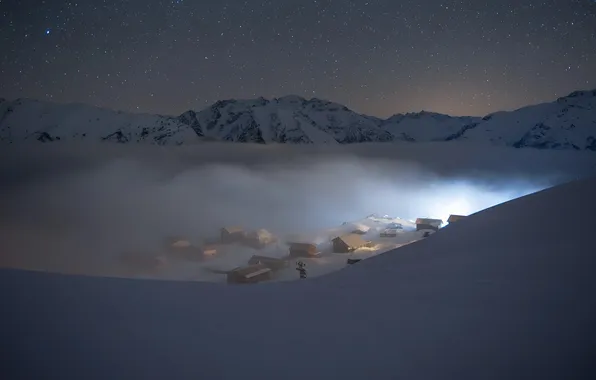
74, 208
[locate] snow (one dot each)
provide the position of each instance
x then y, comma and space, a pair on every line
505, 293
427, 126
88, 203
24, 120
288, 118
568, 123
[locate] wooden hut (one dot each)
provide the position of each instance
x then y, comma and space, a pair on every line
177, 242
249, 275
349, 243
181, 248
209, 250
362, 230
259, 239
303, 250
270, 262
454, 218
388, 232
232, 235
428, 224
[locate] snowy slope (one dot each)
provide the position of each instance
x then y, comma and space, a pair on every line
568, 123
507, 293
30, 120
426, 126
289, 119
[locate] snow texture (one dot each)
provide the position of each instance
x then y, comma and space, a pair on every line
507, 293
567, 123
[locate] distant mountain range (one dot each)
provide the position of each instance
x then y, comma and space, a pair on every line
567, 123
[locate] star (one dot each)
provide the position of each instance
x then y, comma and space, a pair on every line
377, 57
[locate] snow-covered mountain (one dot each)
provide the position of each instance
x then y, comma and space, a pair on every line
290, 119
427, 126
29, 120
567, 123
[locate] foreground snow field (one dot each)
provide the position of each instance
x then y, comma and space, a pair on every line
507, 293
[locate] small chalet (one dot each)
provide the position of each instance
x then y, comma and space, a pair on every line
259, 238
428, 224
232, 235
209, 250
388, 232
177, 242
270, 262
349, 243
303, 250
362, 230
454, 218
181, 248
193, 253
249, 275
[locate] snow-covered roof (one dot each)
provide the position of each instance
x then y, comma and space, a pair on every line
429, 221
233, 229
301, 245
251, 270
455, 218
255, 259
352, 240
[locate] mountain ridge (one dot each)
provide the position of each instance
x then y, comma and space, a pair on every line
569, 122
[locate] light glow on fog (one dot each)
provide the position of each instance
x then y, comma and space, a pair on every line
410, 196
459, 206
110, 204
466, 198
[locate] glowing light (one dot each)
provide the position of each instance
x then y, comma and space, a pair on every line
464, 199
457, 206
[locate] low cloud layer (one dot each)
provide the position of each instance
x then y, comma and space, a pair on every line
74, 209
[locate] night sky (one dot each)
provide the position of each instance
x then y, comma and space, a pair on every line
378, 57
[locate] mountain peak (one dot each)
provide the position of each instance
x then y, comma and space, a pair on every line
291, 99
581, 94
569, 123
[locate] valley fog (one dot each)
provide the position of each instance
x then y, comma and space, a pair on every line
74, 209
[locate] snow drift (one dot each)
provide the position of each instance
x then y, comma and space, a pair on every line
505, 293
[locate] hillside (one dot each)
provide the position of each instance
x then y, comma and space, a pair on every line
567, 123
505, 293
31, 120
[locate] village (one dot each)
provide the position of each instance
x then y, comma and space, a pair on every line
239, 256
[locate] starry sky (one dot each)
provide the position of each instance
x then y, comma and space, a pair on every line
379, 57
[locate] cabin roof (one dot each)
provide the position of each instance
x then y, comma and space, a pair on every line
257, 258
251, 270
301, 245
429, 221
352, 240
454, 217
233, 229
